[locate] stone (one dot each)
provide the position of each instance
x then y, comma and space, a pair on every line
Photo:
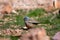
35, 34
56, 36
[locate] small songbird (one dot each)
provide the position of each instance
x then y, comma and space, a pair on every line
29, 22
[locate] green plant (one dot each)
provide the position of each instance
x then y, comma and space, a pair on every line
36, 12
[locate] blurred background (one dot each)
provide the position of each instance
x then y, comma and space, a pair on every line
12, 12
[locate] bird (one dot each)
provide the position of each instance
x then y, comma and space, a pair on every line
30, 23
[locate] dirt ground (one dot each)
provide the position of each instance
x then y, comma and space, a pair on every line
4, 38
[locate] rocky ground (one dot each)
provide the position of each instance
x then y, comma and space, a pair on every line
11, 24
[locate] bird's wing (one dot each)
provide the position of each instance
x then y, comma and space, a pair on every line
33, 22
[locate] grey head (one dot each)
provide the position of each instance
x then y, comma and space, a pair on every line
26, 18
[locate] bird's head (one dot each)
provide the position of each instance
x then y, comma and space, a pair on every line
26, 18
